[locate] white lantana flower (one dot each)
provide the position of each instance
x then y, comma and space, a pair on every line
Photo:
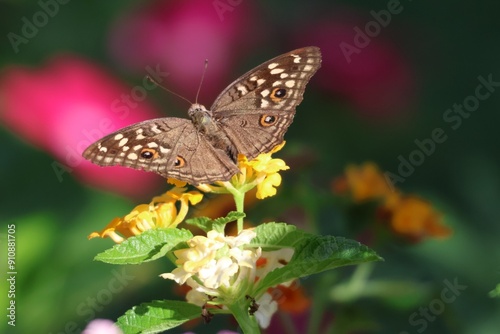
215, 260
273, 260
222, 267
267, 307
217, 273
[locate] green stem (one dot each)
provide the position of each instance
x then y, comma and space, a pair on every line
354, 289
248, 323
239, 200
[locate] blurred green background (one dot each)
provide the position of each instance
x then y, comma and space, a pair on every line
443, 47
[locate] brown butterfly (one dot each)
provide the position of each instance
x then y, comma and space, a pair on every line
249, 117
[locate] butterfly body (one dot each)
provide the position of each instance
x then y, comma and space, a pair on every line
249, 117
208, 127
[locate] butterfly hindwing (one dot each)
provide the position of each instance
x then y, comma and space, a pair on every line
256, 132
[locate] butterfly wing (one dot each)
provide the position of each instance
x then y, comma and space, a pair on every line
170, 147
256, 110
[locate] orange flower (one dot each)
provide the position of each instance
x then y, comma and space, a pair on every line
291, 299
364, 182
415, 218
408, 215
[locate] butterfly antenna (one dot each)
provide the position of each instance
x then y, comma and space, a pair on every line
168, 90
201, 81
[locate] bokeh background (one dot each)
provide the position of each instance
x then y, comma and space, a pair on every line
72, 71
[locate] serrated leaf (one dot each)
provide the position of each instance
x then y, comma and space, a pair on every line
206, 224
220, 223
200, 222
157, 316
147, 246
316, 254
278, 235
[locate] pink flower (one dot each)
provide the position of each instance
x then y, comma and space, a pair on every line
64, 106
101, 326
180, 35
371, 73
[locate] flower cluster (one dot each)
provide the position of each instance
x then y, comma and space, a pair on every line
215, 260
261, 172
160, 212
408, 215
220, 269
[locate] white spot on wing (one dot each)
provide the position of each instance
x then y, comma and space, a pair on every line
272, 65
277, 83
283, 75
290, 83
118, 136
155, 129
136, 147
125, 148
296, 59
103, 149
308, 67
264, 103
140, 136
132, 156
164, 149
123, 142
152, 144
260, 81
242, 89
265, 92
277, 70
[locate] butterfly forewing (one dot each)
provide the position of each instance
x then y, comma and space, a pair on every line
258, 89
256, 110
170, 147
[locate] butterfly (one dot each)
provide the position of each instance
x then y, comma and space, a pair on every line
249, 117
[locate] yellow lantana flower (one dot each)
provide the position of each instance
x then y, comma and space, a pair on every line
160, 212
261, 172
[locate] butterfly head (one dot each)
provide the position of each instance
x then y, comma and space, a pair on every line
199, 114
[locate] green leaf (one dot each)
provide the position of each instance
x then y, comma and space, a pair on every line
278, 235
157, 316
147, 246
316, 254
206, 224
